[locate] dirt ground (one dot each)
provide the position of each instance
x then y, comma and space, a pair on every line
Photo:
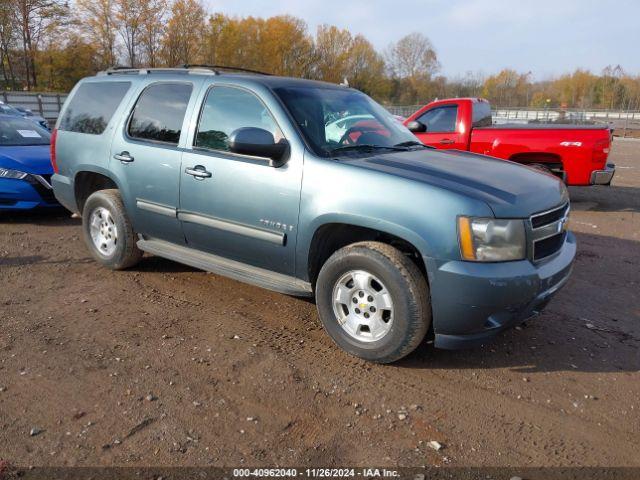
166, 365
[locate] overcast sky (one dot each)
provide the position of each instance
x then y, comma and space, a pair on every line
547, 37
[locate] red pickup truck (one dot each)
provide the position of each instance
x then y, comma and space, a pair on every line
576, 153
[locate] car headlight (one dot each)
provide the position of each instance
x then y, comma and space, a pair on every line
491, 239
7, 173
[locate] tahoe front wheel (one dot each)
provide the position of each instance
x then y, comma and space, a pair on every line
373, 301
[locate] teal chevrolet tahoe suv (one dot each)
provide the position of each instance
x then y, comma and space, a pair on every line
237, 174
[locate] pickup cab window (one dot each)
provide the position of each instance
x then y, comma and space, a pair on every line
481, 114
159, 112
225, 110
440, 119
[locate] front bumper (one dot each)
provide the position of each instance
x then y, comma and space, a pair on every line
30, 192
472, 302
603, 177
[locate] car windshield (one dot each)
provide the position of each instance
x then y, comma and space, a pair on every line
338, 121
15, 131
8, 109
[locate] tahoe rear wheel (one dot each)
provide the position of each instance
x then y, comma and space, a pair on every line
108, 232
373, 301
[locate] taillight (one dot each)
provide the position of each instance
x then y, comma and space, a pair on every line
54, 164
601, 151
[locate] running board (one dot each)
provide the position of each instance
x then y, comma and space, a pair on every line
228, 268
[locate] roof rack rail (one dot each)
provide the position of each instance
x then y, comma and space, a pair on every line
139, 71
215, 68
187, 68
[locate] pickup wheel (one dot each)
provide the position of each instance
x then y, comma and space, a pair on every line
373, 301
541, 167
108, 232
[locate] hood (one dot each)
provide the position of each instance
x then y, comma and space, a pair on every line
37, 118
29, 159
510, 190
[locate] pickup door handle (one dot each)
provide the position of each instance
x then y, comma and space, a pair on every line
446, 141
124, 157
199, 172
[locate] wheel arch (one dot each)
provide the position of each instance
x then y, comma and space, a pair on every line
89, 180
537, 157
331, 235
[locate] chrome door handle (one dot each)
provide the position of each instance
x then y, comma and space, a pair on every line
446, 141
198, 172
124, 157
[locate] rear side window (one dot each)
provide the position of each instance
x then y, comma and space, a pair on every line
159, 112
92, 106
440, 119
225, 110
481, 114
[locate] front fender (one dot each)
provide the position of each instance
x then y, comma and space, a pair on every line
421, 214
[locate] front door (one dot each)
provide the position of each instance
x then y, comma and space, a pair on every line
236, 206
146, 157
442, 128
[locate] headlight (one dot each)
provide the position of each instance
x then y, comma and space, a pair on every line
491, 239
6, 173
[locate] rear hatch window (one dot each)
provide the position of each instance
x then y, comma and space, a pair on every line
92, 106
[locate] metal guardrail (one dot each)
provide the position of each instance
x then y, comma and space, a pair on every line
47, 105
403, 110
570, 113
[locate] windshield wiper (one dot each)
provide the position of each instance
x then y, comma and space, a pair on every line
368, 148
412, 143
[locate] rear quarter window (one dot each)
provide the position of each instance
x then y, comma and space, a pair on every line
92, 106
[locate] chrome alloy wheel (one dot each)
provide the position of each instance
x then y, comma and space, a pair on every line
103, 230
363, 306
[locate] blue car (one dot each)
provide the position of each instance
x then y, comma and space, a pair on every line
25, 167
24, 113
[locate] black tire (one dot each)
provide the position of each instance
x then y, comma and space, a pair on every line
126, 253
540, 167
405, 283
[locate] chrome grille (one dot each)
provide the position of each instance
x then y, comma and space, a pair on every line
548, 231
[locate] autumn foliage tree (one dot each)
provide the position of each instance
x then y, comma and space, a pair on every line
182, 39
46, 45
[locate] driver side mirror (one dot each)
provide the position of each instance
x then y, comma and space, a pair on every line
416, 127
258, 142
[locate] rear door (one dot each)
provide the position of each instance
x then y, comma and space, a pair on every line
239, 207
146, 157
442, 128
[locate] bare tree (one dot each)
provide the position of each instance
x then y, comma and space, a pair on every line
129, 15
34, 19
412, 56
7, 43
98, 21
152, 29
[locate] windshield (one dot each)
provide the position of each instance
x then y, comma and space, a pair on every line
8, 109
335, 121
15, 131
